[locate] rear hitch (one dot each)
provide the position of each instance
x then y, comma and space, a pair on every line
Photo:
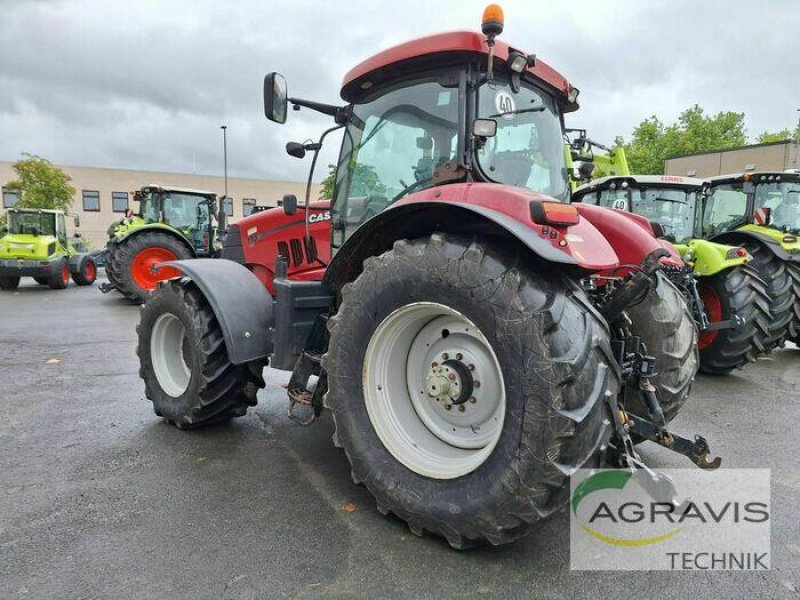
107, 287
696, 451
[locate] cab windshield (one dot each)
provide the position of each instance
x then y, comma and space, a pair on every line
32, 223
180, 210
783, 200
528, 148
725, 208
393, 143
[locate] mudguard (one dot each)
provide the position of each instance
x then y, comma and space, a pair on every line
240, 302
710, 258
751, 232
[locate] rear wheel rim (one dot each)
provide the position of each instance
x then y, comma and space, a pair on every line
421, 359
142, 267
168, 351
712, 305
65, 274
91, 271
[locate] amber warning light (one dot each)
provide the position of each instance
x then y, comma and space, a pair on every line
493, 20
554, 213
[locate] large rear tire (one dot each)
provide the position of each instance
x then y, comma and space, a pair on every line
134, 258
184, 363
665, 325
9, 283
535, 412
773, 271
793, 268
737, 292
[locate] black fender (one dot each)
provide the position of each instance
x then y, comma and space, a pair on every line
160, 228
736, 238
240, 302
75, 262
408, 221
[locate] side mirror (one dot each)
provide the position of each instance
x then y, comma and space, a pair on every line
289, 204
295, 149
484, 128
276, 97
77, 221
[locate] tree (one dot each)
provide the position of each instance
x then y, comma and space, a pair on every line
780, 136
328, 184
364, 181
652, 142
40, 184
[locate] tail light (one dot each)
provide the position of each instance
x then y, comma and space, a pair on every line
554, 213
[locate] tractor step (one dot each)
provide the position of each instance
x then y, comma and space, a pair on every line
735, 323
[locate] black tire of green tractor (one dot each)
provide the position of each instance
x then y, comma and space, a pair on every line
9, 283
42, 280
793, 268
86, 273
555, 357
741, 293
773, 271
111, 246
665, 325
129, 248
57, 280
218, 390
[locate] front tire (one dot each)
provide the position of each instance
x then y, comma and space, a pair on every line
59, 275
86, 273
737, 292
534, 410
666, 327
9, 283
774, 272
184, 363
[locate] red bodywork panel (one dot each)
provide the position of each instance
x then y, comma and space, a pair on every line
454, 41
267, 234
603, 238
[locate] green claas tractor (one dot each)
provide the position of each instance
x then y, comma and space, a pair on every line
172, 224
729, 300
761, 212
36, 245
587, 159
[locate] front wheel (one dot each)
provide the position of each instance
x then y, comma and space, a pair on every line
9, 283
773, 270
184, 362
466, 387
664, 324
59, 274
86, 273
737, 292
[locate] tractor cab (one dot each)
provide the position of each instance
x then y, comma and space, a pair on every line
669, 201
189, 211
438, 110
769, 199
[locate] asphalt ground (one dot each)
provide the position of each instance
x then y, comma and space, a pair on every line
101, 499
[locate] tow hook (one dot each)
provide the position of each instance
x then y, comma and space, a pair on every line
696, 451
107, 287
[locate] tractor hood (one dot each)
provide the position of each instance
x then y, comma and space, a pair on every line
18, 245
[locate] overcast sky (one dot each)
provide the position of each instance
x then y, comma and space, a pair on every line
147, 84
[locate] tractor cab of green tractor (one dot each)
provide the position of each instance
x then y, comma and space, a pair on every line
588, 159
189, 211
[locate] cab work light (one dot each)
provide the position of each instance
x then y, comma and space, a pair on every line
554, 213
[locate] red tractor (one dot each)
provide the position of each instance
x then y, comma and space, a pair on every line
475, 339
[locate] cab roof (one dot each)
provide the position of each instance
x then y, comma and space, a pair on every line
675, 181
154, 187
756, 177
36, 211
386, 65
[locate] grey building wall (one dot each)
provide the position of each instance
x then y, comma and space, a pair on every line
106, 182
777, 156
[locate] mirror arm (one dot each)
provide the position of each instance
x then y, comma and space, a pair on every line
325, 109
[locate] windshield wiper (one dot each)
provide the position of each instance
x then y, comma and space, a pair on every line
519, 111
659, 199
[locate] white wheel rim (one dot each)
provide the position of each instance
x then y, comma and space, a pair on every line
167, 354
422, 358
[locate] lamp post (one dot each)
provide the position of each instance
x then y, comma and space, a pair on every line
225, 157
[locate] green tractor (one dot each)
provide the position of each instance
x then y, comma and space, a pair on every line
587, 159
729, 300
36, 245
172, 224
761, 211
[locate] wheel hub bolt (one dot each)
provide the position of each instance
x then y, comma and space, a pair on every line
459, 356
434, 365
471, 367
445, 356
452, 377
473, 399
461, 408
476, 383
448, 407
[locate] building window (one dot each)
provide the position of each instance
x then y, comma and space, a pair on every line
91, 200
10, 199
228, 206
248, 204
119, 201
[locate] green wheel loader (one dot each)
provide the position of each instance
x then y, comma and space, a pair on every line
171, 224
761, 212
587, 159
36, 245
729, 300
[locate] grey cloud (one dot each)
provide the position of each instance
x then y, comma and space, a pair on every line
147, 85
